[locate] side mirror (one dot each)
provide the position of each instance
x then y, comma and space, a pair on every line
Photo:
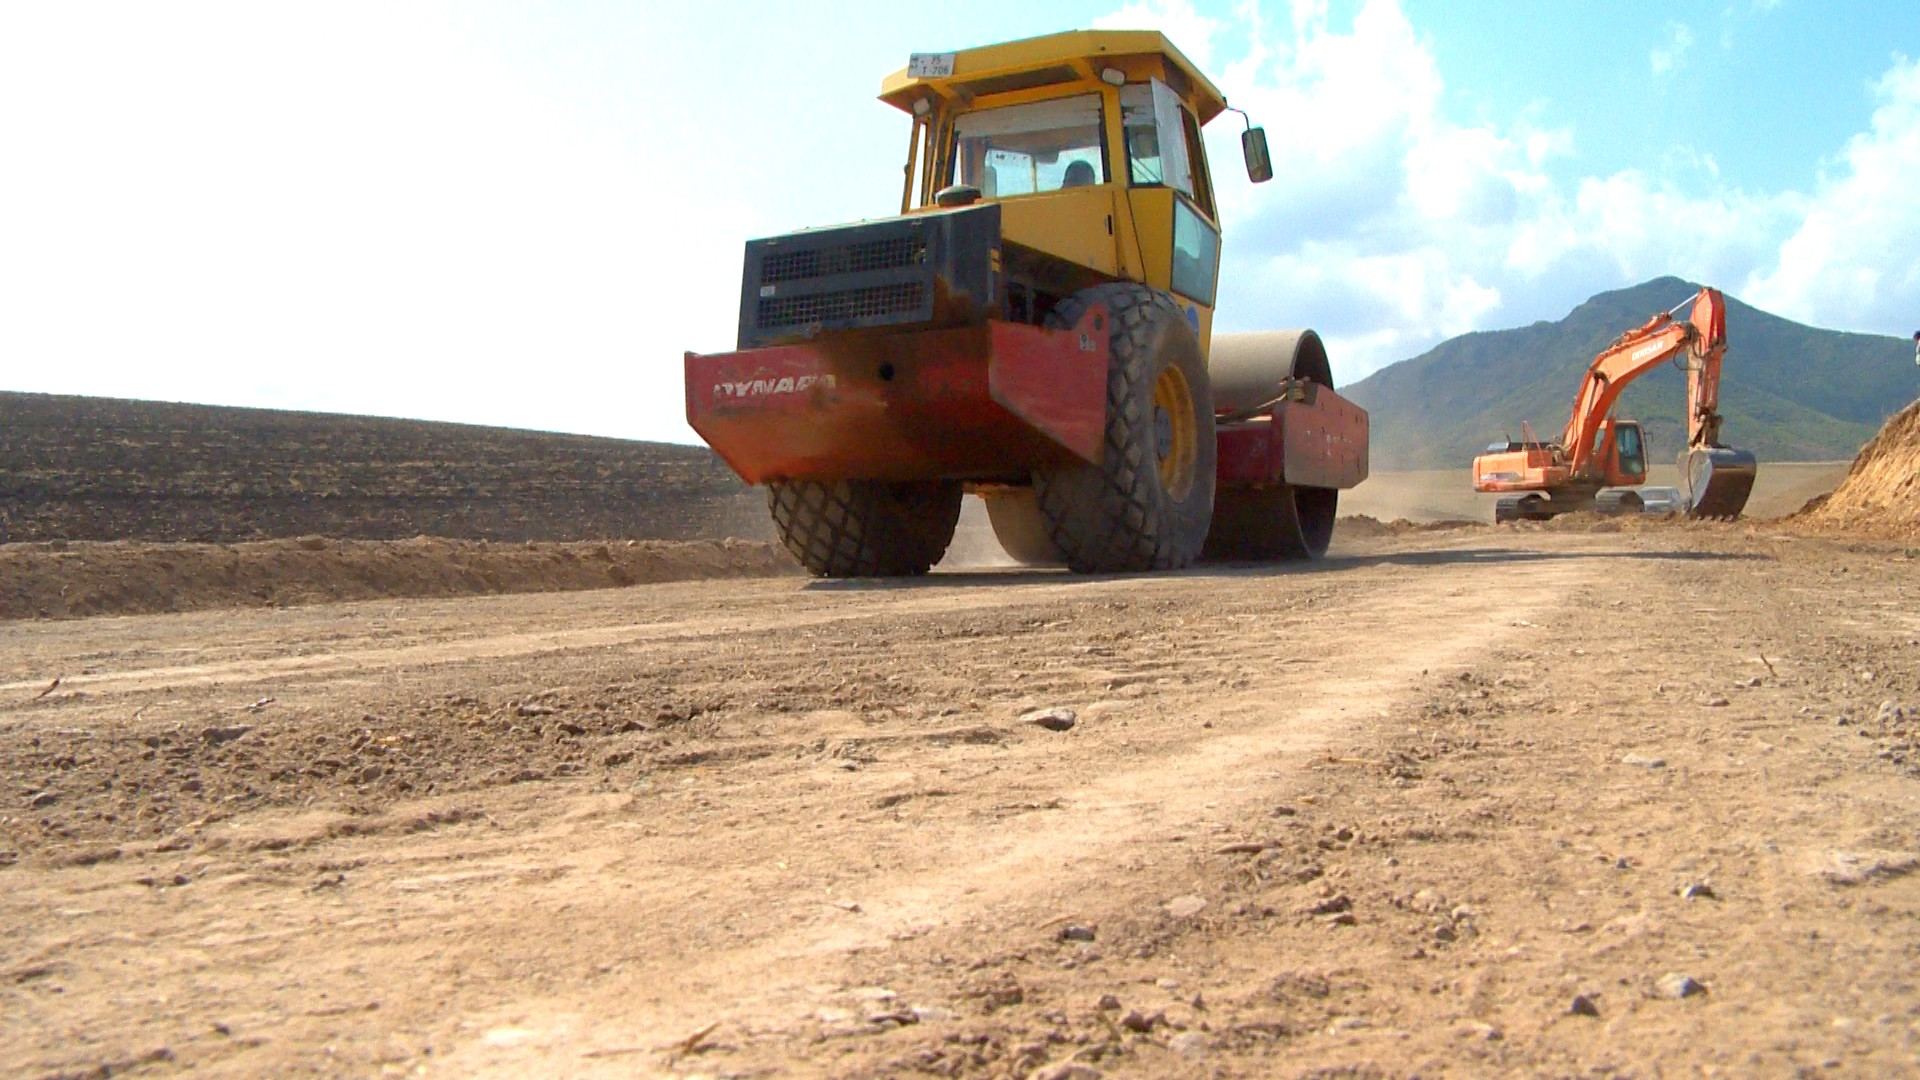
1253, 146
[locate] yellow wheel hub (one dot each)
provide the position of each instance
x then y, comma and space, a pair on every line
1176, 436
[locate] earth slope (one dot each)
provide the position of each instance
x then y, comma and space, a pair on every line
78, 468
1881, 493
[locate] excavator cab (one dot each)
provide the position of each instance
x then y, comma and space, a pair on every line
1623, 447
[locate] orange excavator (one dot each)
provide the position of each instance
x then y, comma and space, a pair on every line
1598, 456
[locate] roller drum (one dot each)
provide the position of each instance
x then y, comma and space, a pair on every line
1248, 372
1718, 481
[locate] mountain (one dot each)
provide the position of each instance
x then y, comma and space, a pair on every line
1788, 392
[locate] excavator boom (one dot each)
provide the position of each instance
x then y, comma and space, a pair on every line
1703, 336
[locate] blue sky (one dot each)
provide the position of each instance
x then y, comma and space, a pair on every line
522, 214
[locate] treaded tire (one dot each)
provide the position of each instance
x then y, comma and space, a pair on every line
865, 528
1122, 515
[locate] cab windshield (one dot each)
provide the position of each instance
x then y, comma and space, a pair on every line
1028, 149
1633, 456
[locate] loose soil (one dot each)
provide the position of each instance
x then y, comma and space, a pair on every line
1881, 492
58, 579
1463, 802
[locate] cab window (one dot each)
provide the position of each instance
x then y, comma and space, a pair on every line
1197, 155
1633, 456
1157, 153
1196, 254
1029, 149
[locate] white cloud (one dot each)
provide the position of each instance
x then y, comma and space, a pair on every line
1667, 57
1854, 258
1191, 32
1391, 226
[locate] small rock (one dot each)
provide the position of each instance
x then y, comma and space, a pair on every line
1344, 918
1750, 682
1474, 1029
1190, 1045
1429, 901
43, 800
1076, 932
1698, 890
1331, 905
1346, 1023
1891, 713
534, 710
1645, 761
1185, 907
1169, 985
1108, 1003
1142, 1023
930, 1014
214, 736
1445, 932
1715, 702
1675, 985
1065, 1070
1859, 867
1052, 719
1582, 1005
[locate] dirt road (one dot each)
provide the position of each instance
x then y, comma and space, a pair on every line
1497, 802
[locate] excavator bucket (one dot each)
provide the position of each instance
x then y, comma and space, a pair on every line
1718, 481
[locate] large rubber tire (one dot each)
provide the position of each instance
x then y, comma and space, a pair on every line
1147, 504
1021, 528
865, 528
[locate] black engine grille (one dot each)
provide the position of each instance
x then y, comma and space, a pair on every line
875, 274
874, 301
856, 258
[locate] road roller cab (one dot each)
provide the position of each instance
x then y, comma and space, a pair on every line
1035, 326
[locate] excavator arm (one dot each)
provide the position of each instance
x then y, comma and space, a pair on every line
1702, 335
1703, 371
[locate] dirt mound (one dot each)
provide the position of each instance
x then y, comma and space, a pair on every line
1367, 527
1881, 493
67, 580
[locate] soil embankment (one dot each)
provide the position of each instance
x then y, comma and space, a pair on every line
78, 468
1880, 495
